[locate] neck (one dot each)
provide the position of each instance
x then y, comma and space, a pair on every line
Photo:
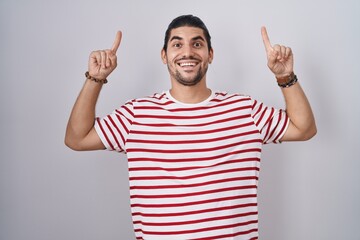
190, 94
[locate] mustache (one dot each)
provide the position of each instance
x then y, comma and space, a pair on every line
188, 58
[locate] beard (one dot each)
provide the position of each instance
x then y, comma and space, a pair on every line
190, 81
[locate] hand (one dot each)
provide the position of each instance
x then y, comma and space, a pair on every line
103, 62
280, 58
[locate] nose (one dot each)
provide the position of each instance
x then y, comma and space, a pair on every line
187, 51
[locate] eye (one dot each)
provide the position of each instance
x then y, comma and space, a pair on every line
197, 44
177, 45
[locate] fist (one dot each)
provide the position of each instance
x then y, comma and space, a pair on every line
280, 58
103, 62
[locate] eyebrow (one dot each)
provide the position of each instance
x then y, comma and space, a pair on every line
193, 39
175, 38
198, 38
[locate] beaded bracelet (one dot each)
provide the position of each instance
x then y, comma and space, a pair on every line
288, 81
87, 75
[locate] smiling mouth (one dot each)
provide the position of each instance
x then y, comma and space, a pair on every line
187, 64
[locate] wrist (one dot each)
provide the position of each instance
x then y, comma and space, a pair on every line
101, 81
287, 80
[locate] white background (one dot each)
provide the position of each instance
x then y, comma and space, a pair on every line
307, 190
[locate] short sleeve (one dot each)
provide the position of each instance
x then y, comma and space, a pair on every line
114, 128
272, 123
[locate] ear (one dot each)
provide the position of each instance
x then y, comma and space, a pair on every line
211, 55
163, 56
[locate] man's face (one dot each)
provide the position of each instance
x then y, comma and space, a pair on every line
187, 55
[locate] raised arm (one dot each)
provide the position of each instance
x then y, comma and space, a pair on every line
80, 132
281, 62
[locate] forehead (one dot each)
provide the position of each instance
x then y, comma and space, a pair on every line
187, 32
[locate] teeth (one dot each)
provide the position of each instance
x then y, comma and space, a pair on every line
187, 64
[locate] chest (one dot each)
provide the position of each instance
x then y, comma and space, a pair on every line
188, 137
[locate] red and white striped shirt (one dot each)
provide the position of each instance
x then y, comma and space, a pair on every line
193, 168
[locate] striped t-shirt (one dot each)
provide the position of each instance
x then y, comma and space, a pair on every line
193, 168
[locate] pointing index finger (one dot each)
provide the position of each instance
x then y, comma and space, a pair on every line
117, 42
266, 39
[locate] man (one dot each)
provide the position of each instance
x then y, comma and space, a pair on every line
193, 154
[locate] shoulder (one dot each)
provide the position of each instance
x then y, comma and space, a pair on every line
225, 97
151, 100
